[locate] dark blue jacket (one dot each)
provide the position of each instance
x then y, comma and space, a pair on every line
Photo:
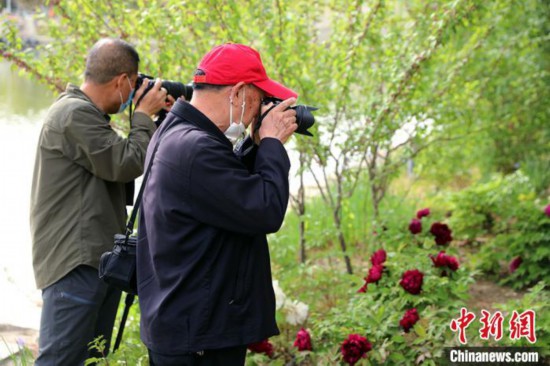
204, 275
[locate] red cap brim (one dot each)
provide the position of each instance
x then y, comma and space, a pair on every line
274, 89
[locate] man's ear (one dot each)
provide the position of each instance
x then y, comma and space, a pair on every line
236, 91
120, 79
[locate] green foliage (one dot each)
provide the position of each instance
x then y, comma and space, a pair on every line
20, 357
506, 217
497, 104
529, 239
98, 345
491, 207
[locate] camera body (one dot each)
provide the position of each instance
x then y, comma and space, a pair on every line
304, 117
173, 88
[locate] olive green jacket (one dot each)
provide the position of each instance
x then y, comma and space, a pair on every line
78, 187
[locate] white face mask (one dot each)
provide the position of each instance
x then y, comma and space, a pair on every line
236, 131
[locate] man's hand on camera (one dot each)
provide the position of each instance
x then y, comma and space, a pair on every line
280, 122
153, 101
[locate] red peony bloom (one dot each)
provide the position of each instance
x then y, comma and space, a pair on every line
378, 257
452, 263
262, 347
415, 226
547, 210
441, 232
375, 273
444, 260
514, 264
423, 213
303, 340
409, 319
411, 281
354, 348
363, 289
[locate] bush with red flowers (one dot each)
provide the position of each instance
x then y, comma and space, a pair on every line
389, 313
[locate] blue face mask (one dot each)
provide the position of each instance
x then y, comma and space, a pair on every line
124, 105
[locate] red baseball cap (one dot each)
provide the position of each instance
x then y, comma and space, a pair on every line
231, 63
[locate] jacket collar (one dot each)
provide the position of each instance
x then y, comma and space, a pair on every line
74, 91
193, 116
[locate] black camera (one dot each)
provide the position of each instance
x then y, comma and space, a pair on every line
173, 88
304, 118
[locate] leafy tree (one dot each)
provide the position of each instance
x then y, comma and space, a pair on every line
452, 84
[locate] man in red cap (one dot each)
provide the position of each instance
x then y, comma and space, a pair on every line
204, 276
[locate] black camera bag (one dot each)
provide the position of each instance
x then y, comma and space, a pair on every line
118, 267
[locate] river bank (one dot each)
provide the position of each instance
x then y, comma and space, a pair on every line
23, 103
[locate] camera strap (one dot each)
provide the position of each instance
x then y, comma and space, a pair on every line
129, 230
135, 209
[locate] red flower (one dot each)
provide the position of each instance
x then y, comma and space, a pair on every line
375, 273
262, 347
378, 257
415, 226
409, 319
363, 289
441, 232
354, 348
411, 281
452, 263
444, 260
514, 264
423, 213
547, 210
303, 340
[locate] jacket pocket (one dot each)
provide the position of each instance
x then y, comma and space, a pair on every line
239, 286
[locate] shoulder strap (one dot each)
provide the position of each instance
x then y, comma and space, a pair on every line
135, 209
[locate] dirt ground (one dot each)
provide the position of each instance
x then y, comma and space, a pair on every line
486, 294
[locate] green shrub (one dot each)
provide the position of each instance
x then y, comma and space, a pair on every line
527, 241
506, 216
489, 208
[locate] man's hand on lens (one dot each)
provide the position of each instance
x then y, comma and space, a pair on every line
153, 101
280, 122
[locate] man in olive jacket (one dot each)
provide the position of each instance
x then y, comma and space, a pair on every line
78, 198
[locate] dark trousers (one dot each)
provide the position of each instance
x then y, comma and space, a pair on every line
76, 309
233, 356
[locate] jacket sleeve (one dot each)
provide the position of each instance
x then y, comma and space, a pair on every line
93, 144
225, 194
